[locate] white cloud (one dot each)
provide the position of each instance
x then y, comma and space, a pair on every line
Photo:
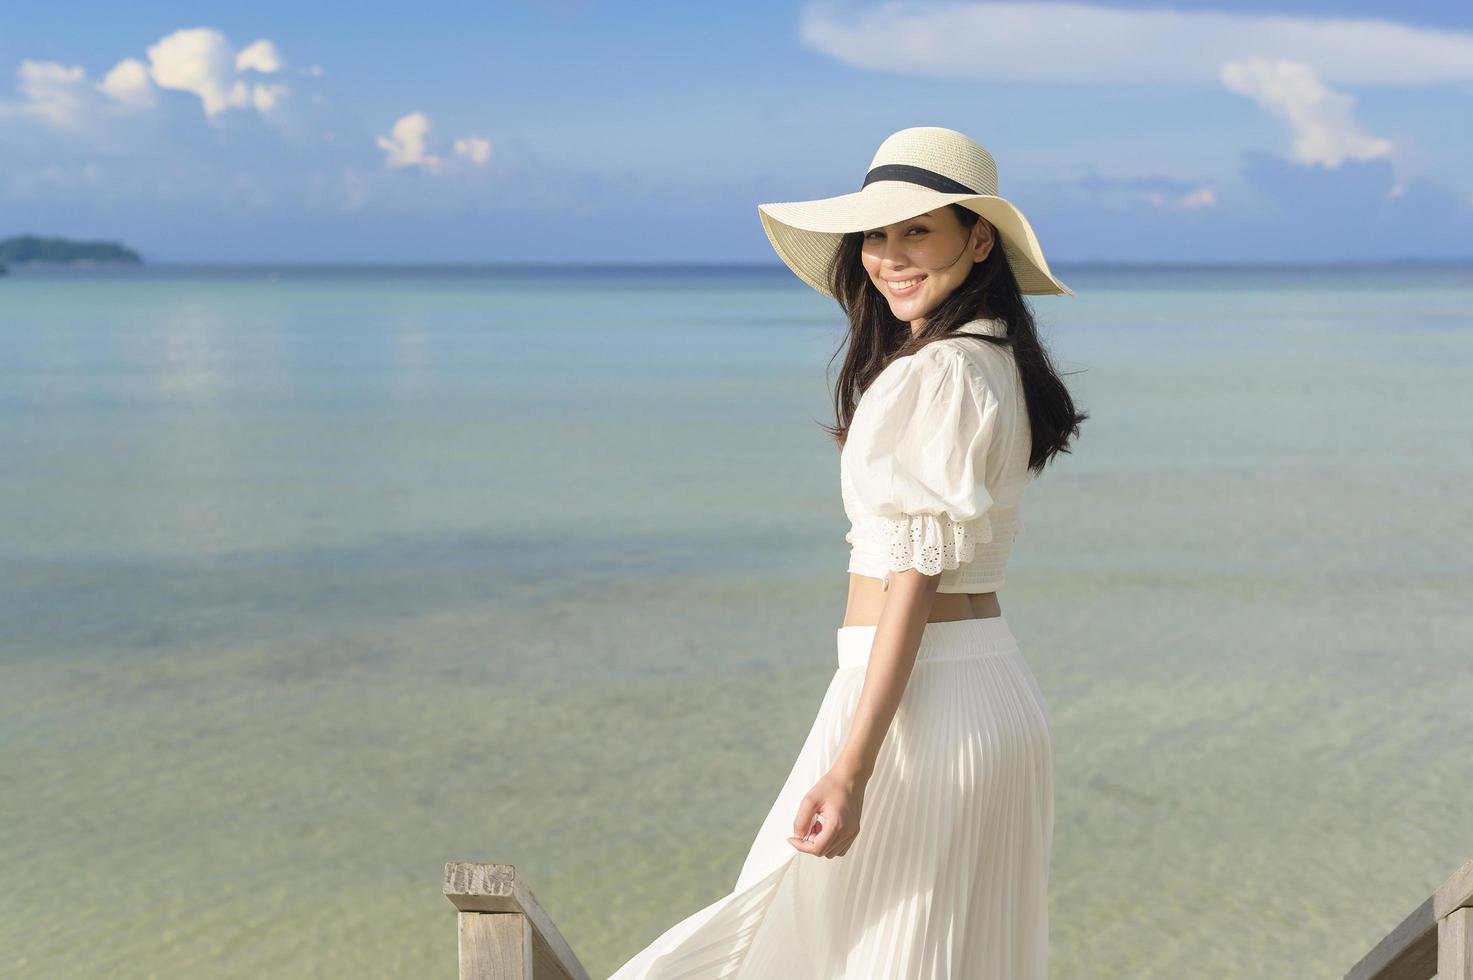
1294, 66
408, 145
128, 85
1051, 41
260, 56
1192, 200
54, 93
197, 60
1324, 130
475, 149
264, 97
1202, 197
405, 146
200, 60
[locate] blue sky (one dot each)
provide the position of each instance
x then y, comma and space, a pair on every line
568, 131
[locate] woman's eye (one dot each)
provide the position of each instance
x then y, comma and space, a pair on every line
881, 234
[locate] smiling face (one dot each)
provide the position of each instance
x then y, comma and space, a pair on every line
916, 263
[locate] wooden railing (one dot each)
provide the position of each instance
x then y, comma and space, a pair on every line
504, 933
1437, 938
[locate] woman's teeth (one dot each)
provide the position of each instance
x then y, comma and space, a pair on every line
904, 285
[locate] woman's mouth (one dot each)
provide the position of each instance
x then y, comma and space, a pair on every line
904, 287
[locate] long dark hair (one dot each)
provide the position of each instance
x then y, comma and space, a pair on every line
876, 338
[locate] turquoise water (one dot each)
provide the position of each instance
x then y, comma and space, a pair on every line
315, 579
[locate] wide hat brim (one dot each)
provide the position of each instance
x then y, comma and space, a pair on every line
806, 234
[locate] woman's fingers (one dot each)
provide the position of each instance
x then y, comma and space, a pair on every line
820, 831
803, 822
816, 843
839, 844
832, 840
828, 817
828, 843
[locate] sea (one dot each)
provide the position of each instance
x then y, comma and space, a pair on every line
313, 579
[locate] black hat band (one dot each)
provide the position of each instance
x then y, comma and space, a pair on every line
916, 175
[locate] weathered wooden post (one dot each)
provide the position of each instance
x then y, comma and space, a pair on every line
1455, 926
1436, 938
504, 933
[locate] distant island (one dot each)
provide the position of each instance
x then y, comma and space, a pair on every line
34, 248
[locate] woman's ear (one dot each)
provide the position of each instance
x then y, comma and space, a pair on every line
984, 239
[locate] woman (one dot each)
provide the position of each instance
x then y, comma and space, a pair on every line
911, 840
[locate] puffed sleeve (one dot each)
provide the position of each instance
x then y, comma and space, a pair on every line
919, 461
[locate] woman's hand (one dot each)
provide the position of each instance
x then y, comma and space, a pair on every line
828, 817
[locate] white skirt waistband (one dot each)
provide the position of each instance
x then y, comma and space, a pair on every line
955, 639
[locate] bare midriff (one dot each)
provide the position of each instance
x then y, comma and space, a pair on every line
867, 597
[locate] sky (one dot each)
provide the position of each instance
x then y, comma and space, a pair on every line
571, 131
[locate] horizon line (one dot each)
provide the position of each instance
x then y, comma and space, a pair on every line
87, 265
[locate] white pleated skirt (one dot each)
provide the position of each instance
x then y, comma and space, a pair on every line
948, 878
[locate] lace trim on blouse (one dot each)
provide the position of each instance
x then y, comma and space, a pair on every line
925, 542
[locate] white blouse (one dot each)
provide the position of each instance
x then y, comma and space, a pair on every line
936, 462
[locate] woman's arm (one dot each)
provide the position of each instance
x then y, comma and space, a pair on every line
897, 640
838, 797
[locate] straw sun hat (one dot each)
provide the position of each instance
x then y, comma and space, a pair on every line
914, 171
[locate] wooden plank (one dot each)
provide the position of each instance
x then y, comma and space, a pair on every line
497, 888
1455, 945
1408, 952
495, 946
1455, 893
